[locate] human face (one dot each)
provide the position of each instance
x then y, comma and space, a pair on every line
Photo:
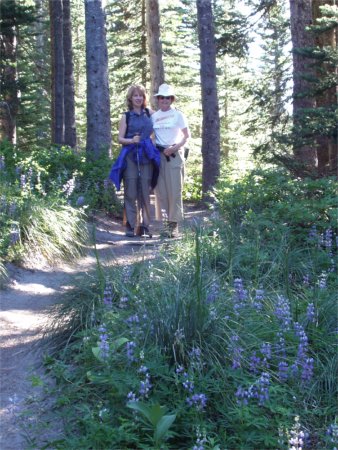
164, 102
137, 99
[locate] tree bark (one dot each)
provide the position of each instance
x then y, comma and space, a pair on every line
69, 86
57, 69
154, 47
301, 17
9, 102
210, 107
327, 148
98, 103
144, 72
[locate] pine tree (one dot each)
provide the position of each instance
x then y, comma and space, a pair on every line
210, 124
13, 17
98, 101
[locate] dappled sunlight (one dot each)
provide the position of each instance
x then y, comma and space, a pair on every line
35, 288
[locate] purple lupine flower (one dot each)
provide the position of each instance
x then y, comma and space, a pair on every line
266, 350
2, 162
313, 233
80, 201
179, 369
195, 353
200, 443
213, 292
106, 183
235, 351
126, 274
322, 280
306, 279
254, 363
327, 239
198, 400
259, 297
283, 312
307, 369
260, 389
123, 302
145, 386
131, 397
188, 384
242, 396
143, 369
103, 344
23, 182
108, 295
283, 369
240, 296
303, 341
134, 319
237, 357
332, 433
310, 312
130, 351
280, 346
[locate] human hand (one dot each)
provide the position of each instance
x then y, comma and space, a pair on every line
170, 151
136, 139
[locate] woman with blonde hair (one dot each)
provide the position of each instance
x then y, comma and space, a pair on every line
138, 162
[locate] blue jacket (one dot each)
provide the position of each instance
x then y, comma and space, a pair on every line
146, 152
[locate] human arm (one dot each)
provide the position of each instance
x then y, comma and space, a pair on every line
175, 148
122, 132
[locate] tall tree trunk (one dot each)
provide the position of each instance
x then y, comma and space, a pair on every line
327, 149
9, 103
42, 66
210, 107
69, 86
155, 48
58, 69
144, 72
301, 17
98, 103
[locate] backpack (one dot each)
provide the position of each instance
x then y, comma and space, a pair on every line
127, 113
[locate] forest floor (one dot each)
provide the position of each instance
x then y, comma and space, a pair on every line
25, 314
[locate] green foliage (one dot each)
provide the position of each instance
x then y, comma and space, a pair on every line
233, 330
155, 414
44, 195
62, 171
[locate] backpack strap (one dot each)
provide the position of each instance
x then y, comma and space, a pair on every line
127, 113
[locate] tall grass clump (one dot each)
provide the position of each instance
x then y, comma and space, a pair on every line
226, 341
47, 195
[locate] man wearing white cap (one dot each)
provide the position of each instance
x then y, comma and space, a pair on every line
171, 133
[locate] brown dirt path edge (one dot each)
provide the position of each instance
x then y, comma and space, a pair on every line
25, 307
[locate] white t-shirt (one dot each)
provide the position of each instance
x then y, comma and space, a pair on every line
168, 126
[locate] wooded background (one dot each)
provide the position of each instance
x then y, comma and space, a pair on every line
256, 78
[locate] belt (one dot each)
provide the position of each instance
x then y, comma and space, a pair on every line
161, 149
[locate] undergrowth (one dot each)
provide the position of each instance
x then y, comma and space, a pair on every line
225, 341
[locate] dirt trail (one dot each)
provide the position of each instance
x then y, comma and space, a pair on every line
25, 307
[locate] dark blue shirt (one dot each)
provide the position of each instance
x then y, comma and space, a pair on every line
139, 124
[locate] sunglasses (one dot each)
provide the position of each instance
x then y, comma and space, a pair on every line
161, 97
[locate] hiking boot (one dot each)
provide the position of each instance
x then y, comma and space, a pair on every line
144, 232
129, 231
